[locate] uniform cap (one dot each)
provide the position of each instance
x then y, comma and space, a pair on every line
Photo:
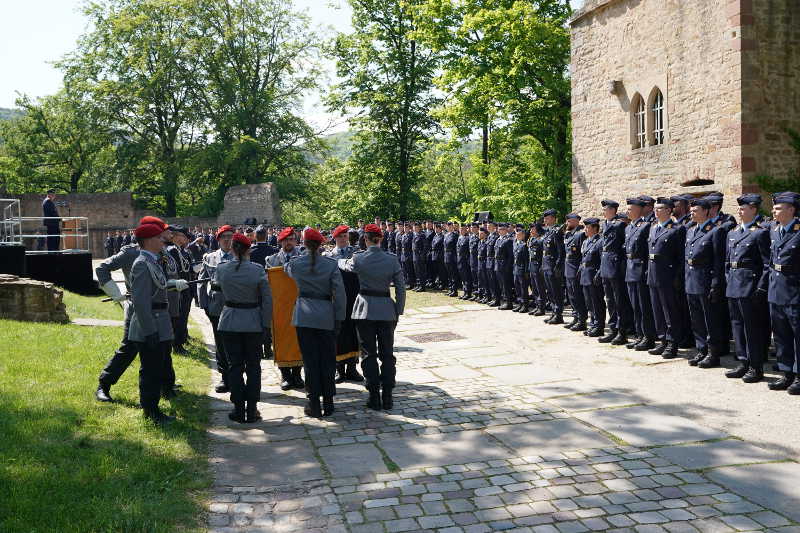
681, 198
242, 239
340, 229
648, 200
153, 220
621, 216
787, 197
287, 232
145, 231
549, 213
372, 228
519, 227
310, 234
669, 202
702, 202
575, 216
714, 198
225, 229
749, 199
636, 201
609, 203
179, 229
591, 221
502, 225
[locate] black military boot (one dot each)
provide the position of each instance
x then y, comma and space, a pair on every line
539, 312
579, 326
794, 388
222, 388
313, 408
701, 354
671, 351
754, 375
297, 380
709, 361
784, 382
237, 415
495, 303
327, 406
352, 374
374, 401
608, 338
557, 319
633, 342
103, 393
620, 339
645, 344
574, 321
738, 372
596, 332
658, 350
386, 399
286, 378
340, 373
253, 415
157, 417
505, 307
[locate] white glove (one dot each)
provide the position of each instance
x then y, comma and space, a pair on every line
112, 289
197, 268
178, 284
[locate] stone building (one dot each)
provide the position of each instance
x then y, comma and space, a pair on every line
682, 96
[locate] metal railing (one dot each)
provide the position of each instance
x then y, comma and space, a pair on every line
15, 230
10, 226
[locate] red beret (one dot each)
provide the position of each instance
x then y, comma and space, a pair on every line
310, 234
224, 229
145, 231
372, 228
287, 232
241, 239
341, 229
153, 220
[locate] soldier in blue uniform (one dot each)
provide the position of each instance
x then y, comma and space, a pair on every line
573, 242
391, 236
535, 276
504, 266
429, 229
492, 283
521, 265
52, 223
637, 234
464, 260
407, 256
108, 244
420, 254
474, 268
438, 273
664, 276
705, 270
450, 242
747, 273
683, 217
483, 269
612, 272
589, 277
261, 249
553, 266
784, 289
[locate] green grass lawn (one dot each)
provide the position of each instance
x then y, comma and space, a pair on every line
415, 300
71, 464
91, 307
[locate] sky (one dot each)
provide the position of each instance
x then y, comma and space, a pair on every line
34, 33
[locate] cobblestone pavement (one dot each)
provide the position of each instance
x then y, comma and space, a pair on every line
492, 432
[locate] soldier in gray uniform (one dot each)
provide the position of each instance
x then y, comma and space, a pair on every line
150, 324
345, 370
376, 315
290, 377
245, 316
318, 313
211, 297
183, 262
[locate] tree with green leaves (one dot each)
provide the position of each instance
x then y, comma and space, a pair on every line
387, 84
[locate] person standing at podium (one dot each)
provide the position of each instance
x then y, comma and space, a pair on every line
51, 221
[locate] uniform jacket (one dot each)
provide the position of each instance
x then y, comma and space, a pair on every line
747, 260
407, 253
665, 254
534, 254
784, 265
49, 210
521, 258
591, 257
437, 247
504, 254
385, 243
260, 251
491, 240
280, 258
573, 254
340, 253
553, 250
209, 296
419, 247
684, 220
118, 243
483, 253
122, 260
429, 234
613, 263
149, 289
312, 309
463, 252
183, 261
244, 283
450, 241
126, 240
391, 244
376, 270
637, 251
705, 258
474, 240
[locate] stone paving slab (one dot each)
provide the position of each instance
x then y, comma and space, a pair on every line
353, 459
247, 465
595, 400
260, 433
485, 361
525, 374
563, 388
546, 437
440, 309
455, 372
642, 426
416, 376
719, 453
774, 485
447, 449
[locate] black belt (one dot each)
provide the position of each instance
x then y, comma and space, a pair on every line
696, 263
785, 268
741, 264
379, 294
241, 305
159, 306
215, 287
313, 296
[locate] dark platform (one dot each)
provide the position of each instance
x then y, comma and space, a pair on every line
72, 271
12, 259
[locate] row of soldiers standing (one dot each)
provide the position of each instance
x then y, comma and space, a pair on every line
673, 272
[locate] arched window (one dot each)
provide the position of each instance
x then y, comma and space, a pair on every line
639, 124
657, 118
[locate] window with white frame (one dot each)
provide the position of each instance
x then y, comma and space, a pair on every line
657, 113
639, 123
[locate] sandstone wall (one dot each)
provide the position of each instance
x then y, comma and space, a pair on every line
690, 51
770, 86
31, 300
259, 200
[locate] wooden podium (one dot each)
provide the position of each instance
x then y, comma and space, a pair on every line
69, 231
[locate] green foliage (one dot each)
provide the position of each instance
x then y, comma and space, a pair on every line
10, 114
